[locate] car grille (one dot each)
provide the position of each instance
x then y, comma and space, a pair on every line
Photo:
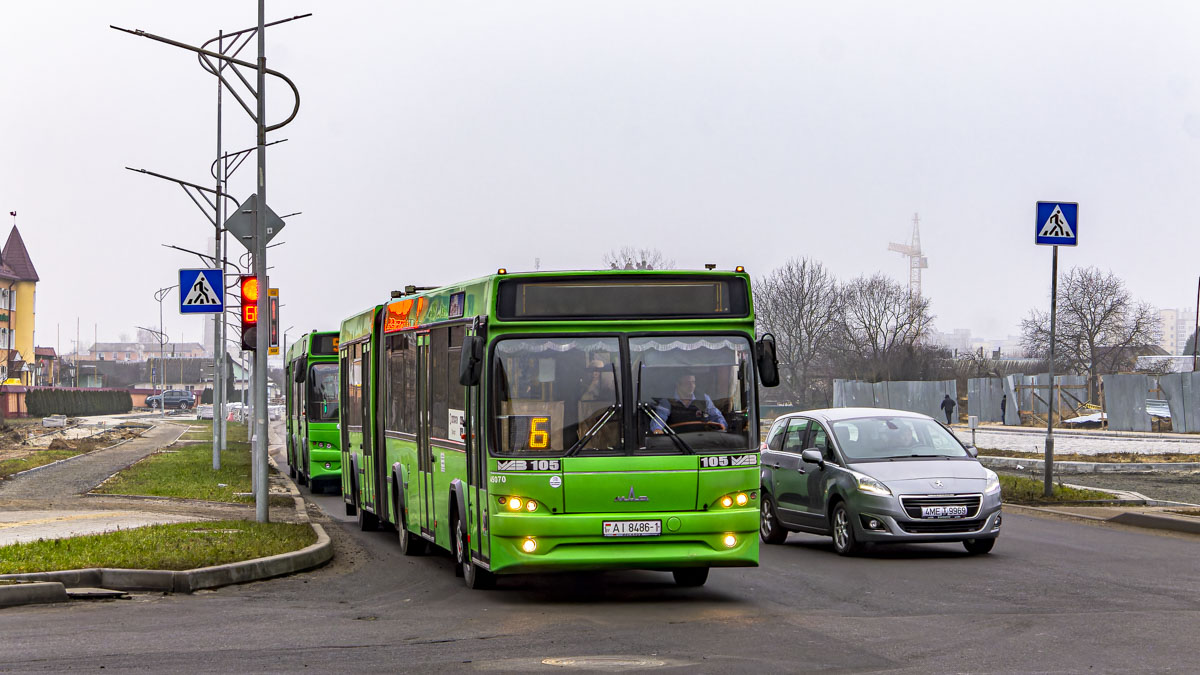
912, 503
942, 526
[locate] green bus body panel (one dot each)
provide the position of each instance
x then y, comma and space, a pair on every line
568, 523
299, 431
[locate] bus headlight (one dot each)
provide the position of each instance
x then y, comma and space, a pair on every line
518, 504
730, 541
742, 499
514, 503
529, 545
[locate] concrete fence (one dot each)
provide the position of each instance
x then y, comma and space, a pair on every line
920, 397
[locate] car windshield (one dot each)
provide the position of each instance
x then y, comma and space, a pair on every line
694, 393
882, 438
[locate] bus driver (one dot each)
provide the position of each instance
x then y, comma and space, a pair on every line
685, 412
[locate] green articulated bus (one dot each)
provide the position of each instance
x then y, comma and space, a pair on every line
542, 422
311, 372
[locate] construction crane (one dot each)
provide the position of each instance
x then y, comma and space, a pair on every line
916, 261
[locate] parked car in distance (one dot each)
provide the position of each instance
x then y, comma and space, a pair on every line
875, 475
172, 398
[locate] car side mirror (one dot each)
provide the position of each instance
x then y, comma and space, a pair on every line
302, 370
813, 456
470, 362
768, 364
973, 451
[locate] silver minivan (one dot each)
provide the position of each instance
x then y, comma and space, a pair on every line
875, 475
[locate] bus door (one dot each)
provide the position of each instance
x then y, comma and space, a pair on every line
368, 448
477, 467
424, 452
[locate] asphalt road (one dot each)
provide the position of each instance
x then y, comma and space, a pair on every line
1054, 596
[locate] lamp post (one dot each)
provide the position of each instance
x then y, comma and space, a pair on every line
161, 295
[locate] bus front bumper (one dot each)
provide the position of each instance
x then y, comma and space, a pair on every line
565, 542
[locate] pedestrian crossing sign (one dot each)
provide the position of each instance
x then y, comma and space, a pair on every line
1057, 224
201, 291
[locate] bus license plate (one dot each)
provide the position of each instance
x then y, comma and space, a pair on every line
943, 511
632, 528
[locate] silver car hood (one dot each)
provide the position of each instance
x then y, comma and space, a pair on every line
920, 469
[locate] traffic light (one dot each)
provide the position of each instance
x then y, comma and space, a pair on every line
249, 286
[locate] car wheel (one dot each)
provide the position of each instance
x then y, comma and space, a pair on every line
979, 546
769, 528
844, 541
183, 405
474, 577
690, 576
410, 544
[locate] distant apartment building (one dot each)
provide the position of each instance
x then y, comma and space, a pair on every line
1176, 326
18, 281
143, 351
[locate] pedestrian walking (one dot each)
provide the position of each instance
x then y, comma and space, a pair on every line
1003, 407
948, 405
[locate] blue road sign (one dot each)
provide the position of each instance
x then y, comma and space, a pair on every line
201, 291
1057, 224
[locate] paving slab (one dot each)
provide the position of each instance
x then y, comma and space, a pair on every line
18, 527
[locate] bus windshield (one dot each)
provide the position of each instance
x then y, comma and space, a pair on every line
564, 396
323, 393
558, 395
694, 393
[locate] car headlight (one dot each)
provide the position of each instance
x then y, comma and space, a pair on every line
872, 487
993, 483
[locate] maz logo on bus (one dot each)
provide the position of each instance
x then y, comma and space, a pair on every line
728, 460
528, 465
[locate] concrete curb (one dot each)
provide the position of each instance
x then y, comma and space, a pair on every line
186, 581
1149, 521
32, 593
1088, 467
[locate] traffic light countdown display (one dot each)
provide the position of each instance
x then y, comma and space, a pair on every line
249, 285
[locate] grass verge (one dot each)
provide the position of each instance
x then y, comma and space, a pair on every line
35, 459
1021, 490
178, 546
1113, 457
201, 430
186, 472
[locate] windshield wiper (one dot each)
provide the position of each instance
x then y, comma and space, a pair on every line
608, 413
583, 440
674, 435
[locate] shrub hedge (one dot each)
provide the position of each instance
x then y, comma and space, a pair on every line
43, 402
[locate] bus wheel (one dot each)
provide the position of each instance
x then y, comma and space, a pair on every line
366, 521
410, 544
691, 576
473, 576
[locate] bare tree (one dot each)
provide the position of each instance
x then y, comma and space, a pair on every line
883, 328
630, 258
1099, 329
798, 304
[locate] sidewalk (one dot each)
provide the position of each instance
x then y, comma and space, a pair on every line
51, 502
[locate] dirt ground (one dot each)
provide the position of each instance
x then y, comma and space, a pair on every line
1171, 487
21, 438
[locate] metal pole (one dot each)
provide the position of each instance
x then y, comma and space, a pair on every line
260, 264
162, 369
1196, 330
1049, 481
218, 340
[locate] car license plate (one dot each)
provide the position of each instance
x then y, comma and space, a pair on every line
632, 528
943, 511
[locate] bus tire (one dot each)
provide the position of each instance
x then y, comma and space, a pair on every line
475, 577
366, 521
690, 576
410, 544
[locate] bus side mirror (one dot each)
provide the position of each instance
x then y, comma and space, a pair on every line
470, 362
302, 369
768, 365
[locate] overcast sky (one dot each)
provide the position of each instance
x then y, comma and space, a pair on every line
438, 141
